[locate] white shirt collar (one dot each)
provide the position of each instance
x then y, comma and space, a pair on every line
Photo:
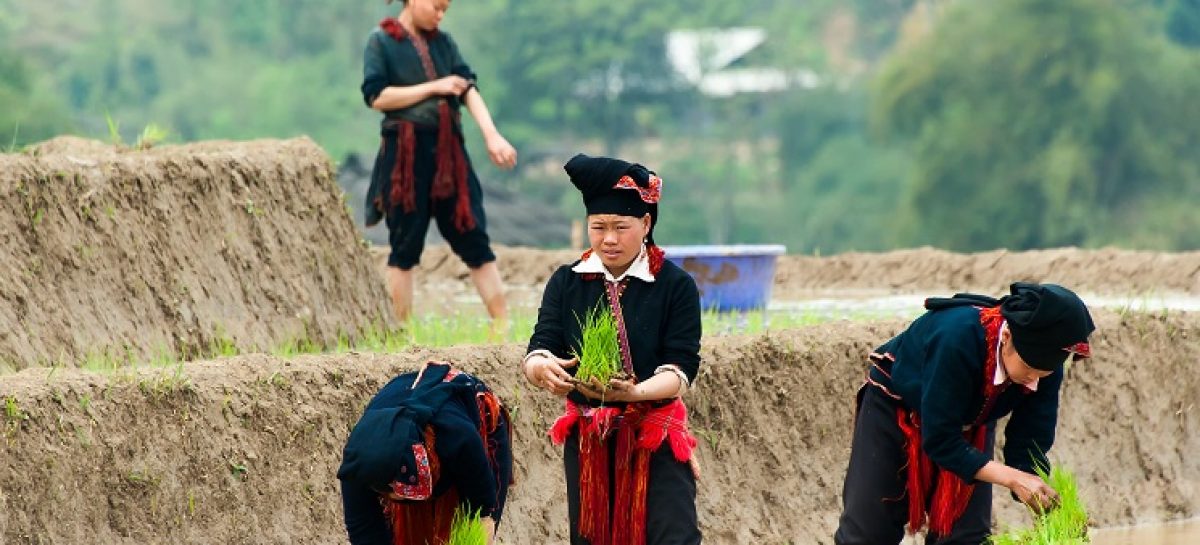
1002, 374
640, 268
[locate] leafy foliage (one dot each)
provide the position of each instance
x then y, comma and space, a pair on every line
1035, 123
967, 125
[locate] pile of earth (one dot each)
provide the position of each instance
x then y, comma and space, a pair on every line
122, 254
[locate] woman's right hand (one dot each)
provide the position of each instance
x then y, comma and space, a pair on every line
549, 373
450, 86
1032, 491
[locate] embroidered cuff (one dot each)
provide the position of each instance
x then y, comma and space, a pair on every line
684, 383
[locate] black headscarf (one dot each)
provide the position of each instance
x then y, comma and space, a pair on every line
1048, 322
596, 178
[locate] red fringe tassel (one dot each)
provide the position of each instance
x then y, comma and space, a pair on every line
421, 522
593, 489
403, 190
641, 431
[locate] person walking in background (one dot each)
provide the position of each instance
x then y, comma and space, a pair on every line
925, 423
628, 452
415, 75
429, 443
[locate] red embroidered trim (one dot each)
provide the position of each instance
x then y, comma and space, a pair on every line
419, 486
650, 194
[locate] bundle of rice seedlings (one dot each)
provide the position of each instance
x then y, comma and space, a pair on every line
466, 528
1064, 525
599, 352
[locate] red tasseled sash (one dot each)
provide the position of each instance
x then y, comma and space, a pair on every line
950, 493
450, 175
640, 430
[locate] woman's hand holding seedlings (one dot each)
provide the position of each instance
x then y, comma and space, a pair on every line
549, 373
1030, 489
1034, 492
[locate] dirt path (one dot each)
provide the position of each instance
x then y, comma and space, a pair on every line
243, 450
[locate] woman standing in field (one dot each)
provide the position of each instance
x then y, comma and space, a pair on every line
628, 451
925, 425
414, 74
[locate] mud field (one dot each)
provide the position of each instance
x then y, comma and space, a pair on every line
128, 253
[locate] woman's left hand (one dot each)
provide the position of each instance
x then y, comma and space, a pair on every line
618, 390
503, 154
624, 390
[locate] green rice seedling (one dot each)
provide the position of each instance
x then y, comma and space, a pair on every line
114, 130
1064, 525
466, 528
152, 135
12, 145
599, 351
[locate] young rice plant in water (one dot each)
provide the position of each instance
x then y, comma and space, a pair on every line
1064, 525
466, 528
599, 352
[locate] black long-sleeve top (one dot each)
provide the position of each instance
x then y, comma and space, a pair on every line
390, 62
463, 459
939, 373
662, 319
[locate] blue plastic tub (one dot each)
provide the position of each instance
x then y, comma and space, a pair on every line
730, 278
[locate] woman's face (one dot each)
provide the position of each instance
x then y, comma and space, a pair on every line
1018, 371
427, 14
617, 239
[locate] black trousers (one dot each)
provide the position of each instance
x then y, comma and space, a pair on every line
406, 230
670, 496
874, 501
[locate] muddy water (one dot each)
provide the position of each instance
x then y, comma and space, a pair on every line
1174, 533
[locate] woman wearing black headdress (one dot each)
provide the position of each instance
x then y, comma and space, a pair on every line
628, 452
925, 424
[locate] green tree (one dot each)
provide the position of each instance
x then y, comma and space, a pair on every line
29, 114
1035, 123
1183, 22
844, 186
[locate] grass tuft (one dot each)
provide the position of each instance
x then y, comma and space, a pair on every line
467, 528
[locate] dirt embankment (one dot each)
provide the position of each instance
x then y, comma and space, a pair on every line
133, 253
244, 450
1108, 271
